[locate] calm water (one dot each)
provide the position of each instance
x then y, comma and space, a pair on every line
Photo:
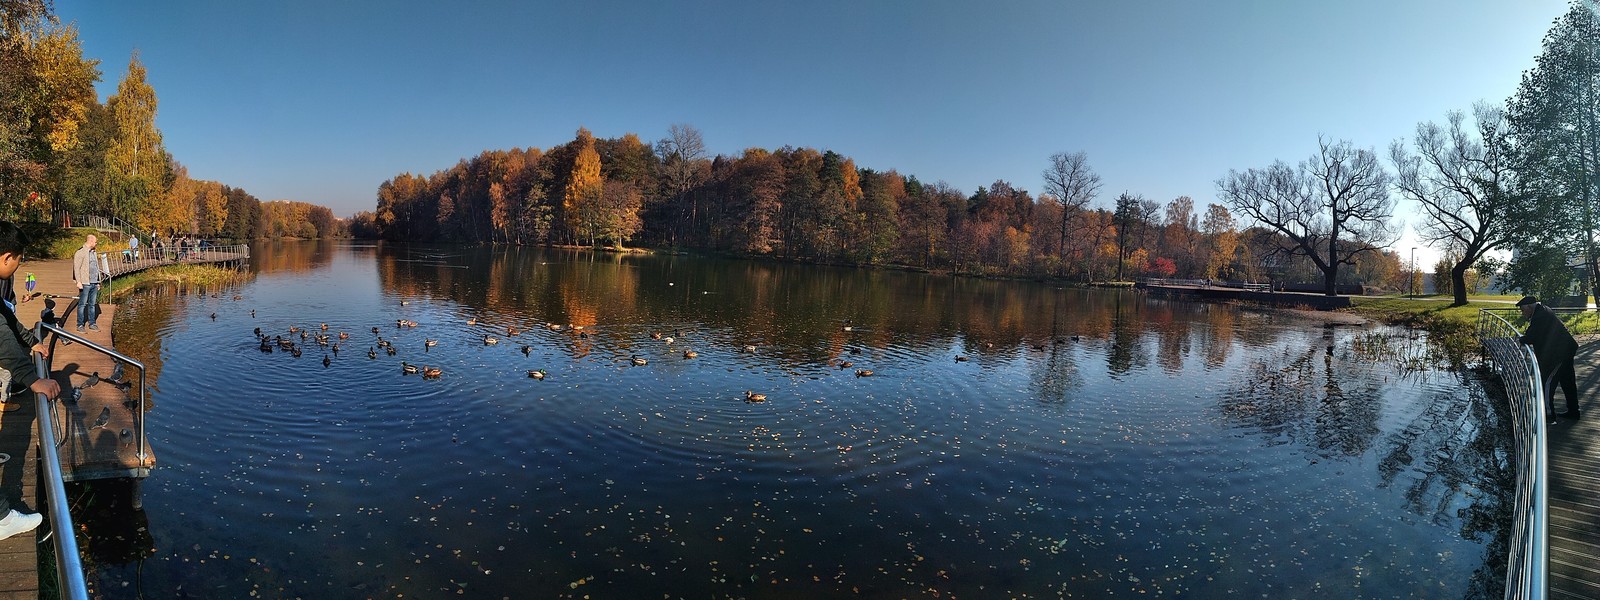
1094, 444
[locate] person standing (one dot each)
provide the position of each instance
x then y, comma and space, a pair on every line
86, 271
133, 248
17, 344
1555, 349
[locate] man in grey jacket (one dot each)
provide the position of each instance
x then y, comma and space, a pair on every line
86, 271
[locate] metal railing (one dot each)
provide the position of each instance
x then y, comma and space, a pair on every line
1527, 567
1207, 283
69, 565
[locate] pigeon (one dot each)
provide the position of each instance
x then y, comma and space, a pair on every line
117, 373
105, 417
92, 380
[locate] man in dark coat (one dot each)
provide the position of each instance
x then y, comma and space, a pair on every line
1554, 346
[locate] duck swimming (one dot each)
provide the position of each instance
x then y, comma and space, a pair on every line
432, 372
408, 368
326, 361
690, 354
489, 340
526, 350
427, 343
372, 352
750, 396
748, 349
536, 373
639, 362
863, 372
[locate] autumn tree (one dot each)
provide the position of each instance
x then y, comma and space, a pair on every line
46, 95
1464, 182
1339, 194
136, 161
1222, 242
581, 197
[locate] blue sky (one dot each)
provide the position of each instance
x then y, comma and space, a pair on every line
323, 101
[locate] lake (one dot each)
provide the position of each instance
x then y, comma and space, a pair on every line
1014, 439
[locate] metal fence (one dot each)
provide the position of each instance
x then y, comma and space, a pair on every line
1527, 574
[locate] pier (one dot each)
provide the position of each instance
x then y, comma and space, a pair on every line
100, 429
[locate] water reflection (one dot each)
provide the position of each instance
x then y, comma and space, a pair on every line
1095, 443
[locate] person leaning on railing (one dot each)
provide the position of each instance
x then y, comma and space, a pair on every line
17, 375
1556, 350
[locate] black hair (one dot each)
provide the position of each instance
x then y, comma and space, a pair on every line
12, 239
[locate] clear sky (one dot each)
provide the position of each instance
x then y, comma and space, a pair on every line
323, 101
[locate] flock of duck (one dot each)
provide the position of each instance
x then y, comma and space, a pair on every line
335, 342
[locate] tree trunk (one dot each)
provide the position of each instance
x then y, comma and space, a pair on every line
1458, 278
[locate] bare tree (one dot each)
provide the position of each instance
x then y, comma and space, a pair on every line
1340, 192
1463, 183
682, 152
1072, 183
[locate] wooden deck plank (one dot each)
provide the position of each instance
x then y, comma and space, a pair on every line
1574, 472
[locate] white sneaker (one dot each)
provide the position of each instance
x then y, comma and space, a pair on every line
14, 523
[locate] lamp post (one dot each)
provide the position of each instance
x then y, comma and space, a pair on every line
1413, 270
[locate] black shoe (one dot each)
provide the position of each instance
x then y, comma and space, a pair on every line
1571, 414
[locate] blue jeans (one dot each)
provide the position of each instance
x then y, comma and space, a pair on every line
88, 304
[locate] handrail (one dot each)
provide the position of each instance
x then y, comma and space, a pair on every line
69, 566
138, 415
1527, 567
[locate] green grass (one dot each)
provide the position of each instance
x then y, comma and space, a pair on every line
49, 241
203, 277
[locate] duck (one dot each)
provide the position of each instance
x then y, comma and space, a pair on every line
213, 316
668, 339
408, 368
472, 321
372, 353
749, 349
554, 326
690, 354
429, 343
512, 330
390, 350
863, 372
526, 350
295, 350
489, 340
252, 313
1075, 338
432, 372
237, 297
405, 302
383, 343
344, 335
266, 345
536, 373
655, 335
752, 397
335, 349
374, 329
846, 364
258, 332
638, 362
961, 359
324, 326
293, 330
326, 361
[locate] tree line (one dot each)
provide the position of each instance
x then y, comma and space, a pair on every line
1518, 177
63, 152
818, 206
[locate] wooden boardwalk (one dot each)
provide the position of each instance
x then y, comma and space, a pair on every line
1575, 487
